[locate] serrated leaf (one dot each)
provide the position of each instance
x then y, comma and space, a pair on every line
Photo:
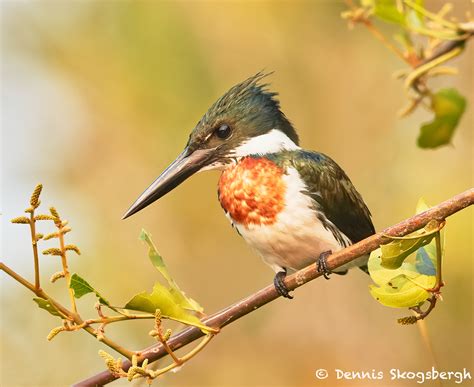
157, 260
81, 287
47, 306
448, 106
162, 299
403, 292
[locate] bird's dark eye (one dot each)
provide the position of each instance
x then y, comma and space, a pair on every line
223, 131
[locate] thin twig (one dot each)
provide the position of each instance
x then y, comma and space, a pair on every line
268, 294
424, 68
375, 31
17, 277
64, 311
187, 356
34, 241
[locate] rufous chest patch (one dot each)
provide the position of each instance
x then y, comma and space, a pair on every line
253, 191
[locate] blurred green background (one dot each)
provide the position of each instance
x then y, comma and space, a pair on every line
98, 97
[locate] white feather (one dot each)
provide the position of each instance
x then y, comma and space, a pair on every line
298, 237
273, 141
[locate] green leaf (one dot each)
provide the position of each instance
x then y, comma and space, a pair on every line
154, 256
184, 301
381, 276
425, 260
424, 264
392, 12
400, 283
47, 305
156, 259
448, 106
389, 13
394, 253
386, 10
415, 18
399, 288
81, 287
162, 299
403, 292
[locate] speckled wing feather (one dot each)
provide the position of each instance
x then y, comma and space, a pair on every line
332, 191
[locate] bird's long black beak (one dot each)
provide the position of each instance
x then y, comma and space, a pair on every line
185, 165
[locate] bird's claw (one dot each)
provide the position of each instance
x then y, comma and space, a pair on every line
322, 265
280, 287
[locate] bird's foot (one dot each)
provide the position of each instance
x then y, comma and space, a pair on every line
322, 265
280, 287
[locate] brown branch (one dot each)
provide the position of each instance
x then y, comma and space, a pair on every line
268, 294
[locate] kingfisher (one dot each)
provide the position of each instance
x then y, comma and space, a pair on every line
293, 206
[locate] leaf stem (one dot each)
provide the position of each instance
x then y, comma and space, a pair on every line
112, 319
439, 264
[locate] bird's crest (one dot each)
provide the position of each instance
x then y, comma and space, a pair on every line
250, 101
249, 88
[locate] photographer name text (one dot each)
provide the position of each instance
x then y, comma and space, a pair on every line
420, 377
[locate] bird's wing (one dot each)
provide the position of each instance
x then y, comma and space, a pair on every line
333, 193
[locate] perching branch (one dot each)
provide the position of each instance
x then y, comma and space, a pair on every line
268, 294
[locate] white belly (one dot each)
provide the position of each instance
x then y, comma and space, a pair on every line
298, 237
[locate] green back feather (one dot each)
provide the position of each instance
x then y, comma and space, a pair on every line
333, 193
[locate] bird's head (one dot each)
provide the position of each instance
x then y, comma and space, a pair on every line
246, 120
